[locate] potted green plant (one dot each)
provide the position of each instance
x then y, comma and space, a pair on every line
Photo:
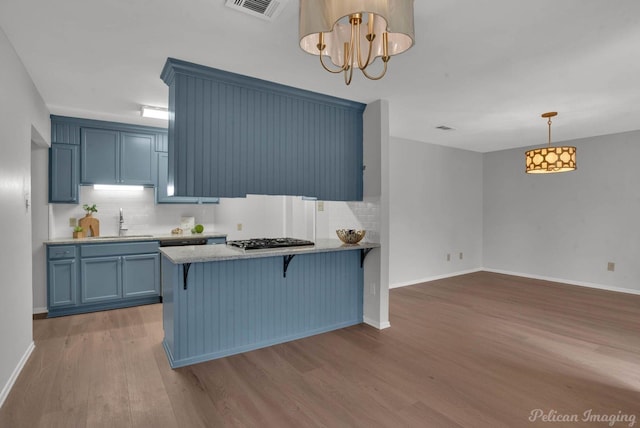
78, 232
90, 209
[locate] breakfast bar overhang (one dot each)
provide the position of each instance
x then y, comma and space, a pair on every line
218, 301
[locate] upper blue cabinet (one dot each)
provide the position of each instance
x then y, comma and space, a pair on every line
85, 152
232, 135
64, 163
117, 157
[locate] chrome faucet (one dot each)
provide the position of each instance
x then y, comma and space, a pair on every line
122, 230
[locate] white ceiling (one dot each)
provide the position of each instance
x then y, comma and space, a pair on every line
486, 68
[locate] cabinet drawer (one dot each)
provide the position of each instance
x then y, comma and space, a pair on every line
119, 248
62, 252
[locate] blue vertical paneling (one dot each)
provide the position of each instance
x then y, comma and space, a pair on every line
235, 135
64, 132
238, 305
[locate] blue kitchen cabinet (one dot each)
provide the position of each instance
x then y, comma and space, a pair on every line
232, 135
92, 277
110, 156
62, 273
161, 187
63, 173
101, 279
100, 156
141, 275
137, 158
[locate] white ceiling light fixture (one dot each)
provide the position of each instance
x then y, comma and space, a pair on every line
338, 28
549, 160
155, 112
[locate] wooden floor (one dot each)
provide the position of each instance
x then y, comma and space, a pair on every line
479, 350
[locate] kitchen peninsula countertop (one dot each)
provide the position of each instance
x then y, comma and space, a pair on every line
125, 238
214, 253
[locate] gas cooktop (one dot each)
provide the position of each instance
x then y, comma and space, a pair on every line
267, 243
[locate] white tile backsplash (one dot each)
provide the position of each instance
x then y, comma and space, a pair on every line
141, 214
260, 215
349, 215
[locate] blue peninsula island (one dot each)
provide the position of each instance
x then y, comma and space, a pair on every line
220, 301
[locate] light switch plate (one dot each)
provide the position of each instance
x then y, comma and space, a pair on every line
73, 222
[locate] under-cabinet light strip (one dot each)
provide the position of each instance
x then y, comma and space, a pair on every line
119, 187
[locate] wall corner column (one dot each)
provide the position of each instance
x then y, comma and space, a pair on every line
376, 189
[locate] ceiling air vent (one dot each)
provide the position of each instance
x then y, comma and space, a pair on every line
265, 9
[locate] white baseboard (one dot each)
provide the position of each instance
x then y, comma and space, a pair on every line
433, 278
376, 324
565, 281
14, 376
40, 311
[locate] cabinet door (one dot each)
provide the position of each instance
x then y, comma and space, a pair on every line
101, 279
137, 164
63, 173
62, 282
100, 156
141, 275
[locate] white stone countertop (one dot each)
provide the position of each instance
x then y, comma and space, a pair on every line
132, 237
221, 252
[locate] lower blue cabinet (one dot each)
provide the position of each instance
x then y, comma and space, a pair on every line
93, 277
101, 279
62, 282
141, 275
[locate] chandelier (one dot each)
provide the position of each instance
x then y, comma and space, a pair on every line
353, 33
547, 160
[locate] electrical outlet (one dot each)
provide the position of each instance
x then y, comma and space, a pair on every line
320, 205
448, 257
460, 256
611, 266
73, 222
239, 227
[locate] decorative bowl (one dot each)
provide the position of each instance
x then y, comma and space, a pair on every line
350, 236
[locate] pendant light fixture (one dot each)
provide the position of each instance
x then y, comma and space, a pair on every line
547, 160
353, 33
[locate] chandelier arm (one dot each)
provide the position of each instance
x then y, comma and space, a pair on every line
365, 65
384, 71
347, 80
340, 70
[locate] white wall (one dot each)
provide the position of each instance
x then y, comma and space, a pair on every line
23, 117
567, 226
39, 224
435, 210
